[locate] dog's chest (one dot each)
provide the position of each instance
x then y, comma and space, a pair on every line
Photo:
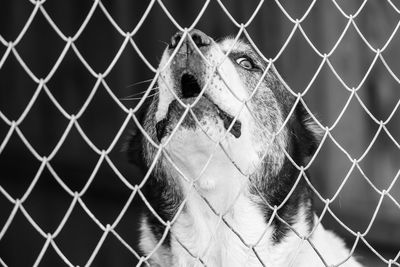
217, 241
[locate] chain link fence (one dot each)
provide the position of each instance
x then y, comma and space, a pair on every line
16, 197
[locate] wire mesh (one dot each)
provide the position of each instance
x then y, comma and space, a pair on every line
45, 160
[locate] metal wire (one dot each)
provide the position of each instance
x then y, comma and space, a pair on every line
103, 154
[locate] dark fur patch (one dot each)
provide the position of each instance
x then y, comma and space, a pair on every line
302, 144
163, 197
165, 200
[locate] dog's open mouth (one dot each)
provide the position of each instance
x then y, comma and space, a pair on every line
190, 90
189, 86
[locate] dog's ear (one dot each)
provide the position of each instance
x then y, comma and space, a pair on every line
133, 147
307, 134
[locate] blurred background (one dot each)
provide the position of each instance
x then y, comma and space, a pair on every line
40, 47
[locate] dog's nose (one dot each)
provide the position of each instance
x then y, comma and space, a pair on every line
199, 38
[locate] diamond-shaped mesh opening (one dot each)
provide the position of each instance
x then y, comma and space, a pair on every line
78, 229
35, 125
40, 55
16, 180
11, 246
18, 89
70, 91
14, 18
47, 210
68, 17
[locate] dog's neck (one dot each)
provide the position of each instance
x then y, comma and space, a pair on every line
226, 239
222, 227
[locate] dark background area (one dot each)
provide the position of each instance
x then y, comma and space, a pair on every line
71, 84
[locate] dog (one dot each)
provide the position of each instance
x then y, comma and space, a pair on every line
223, 147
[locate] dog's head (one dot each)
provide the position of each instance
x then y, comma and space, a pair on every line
221, 116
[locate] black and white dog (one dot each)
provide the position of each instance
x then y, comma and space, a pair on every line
221, 166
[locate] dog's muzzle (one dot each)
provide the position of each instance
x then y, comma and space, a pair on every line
186, 70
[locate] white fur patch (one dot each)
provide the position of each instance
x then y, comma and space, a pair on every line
202, 233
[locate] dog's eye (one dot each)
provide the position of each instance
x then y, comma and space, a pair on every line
245, 63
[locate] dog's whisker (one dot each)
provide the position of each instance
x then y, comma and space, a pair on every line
142, 92
161, 41
141, 82
130, 98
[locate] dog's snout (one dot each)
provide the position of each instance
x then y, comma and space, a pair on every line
198, 37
